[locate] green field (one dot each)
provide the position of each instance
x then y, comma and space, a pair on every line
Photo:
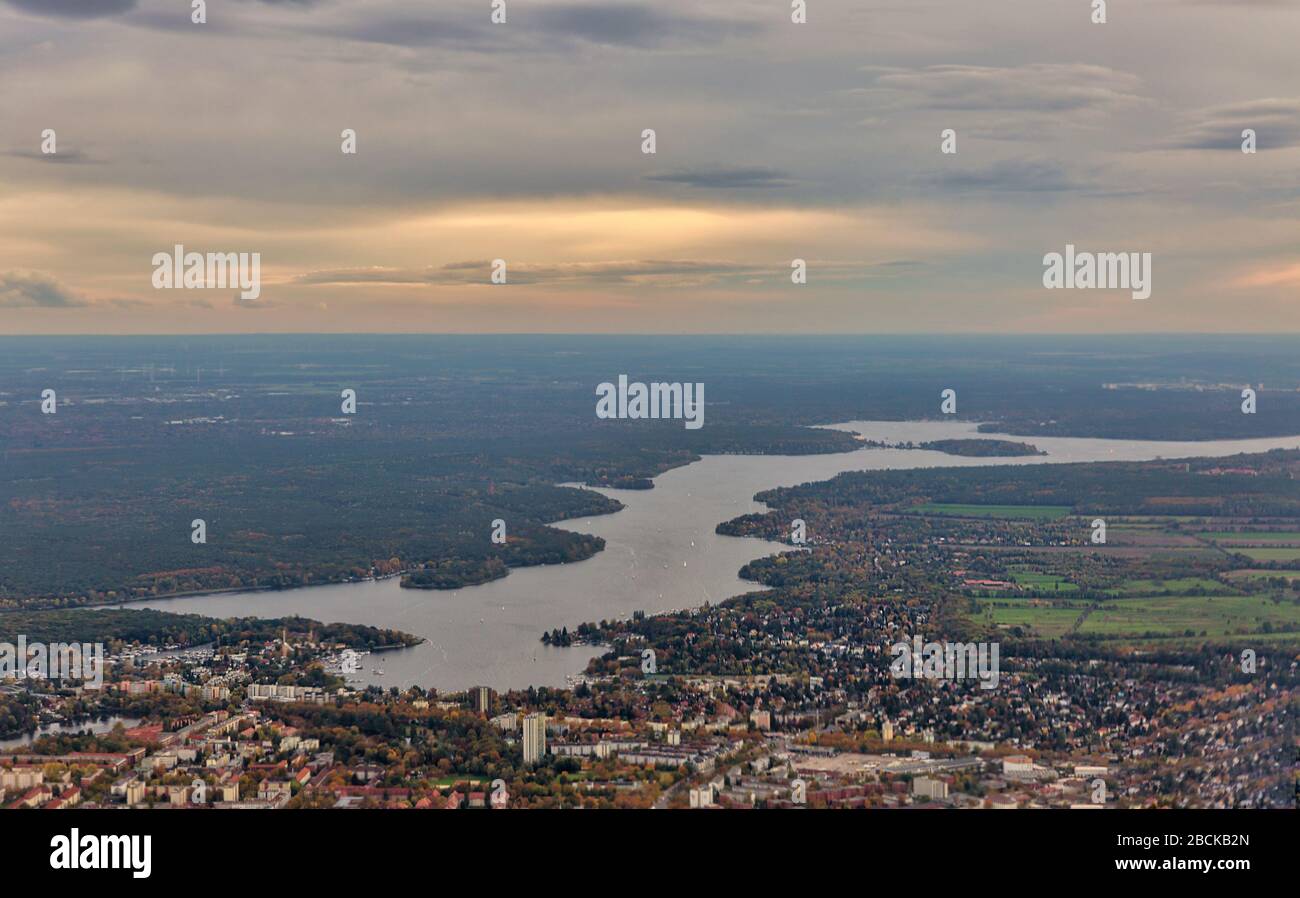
1163, 616
1158, 520
1146, 587
1030, 512
1045, 621
1262, 575
471, 778
1270, 536
1271, 553
1041, 582
1174, 615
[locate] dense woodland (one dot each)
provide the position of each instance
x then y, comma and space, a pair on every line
120, 626
1243, 485
246, 433
982, 448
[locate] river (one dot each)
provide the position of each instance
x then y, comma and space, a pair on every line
661, 553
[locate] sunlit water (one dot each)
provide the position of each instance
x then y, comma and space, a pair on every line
661, 553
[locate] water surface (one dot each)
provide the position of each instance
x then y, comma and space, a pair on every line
661, 553
98, 727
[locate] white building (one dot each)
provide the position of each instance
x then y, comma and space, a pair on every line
534, 738
1017, 766
702, 797
21, 778
928, 787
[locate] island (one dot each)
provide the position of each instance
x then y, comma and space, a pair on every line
982, 448
543, 546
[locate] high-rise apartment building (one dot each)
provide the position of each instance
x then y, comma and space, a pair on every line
534, 738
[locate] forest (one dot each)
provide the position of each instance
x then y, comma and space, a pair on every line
121, 626
983, 448
247, 434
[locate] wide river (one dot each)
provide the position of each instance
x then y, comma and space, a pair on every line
661, 553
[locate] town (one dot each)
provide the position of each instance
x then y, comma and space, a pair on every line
274, 724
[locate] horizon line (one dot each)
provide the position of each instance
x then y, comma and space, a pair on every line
648, 334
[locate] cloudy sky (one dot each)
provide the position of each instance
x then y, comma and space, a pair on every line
775, 141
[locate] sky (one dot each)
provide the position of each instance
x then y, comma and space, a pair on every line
775, 141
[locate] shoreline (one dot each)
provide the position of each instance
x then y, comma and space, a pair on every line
566, 484
853, 427
569, 484
762, 475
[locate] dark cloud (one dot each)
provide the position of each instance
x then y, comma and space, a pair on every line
539, 30
31, 289
725, 178
1014, 176
411, 31
178, 20
175, 17
1044, 87
1035, 178
1276, 122
74, 9
63, 157
634, 25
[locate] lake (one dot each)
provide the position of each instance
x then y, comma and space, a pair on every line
661, 553
104, 725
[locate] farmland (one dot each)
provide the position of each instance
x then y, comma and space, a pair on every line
1201, 616
1027, 512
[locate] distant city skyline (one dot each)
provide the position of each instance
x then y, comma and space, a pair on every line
523, 142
